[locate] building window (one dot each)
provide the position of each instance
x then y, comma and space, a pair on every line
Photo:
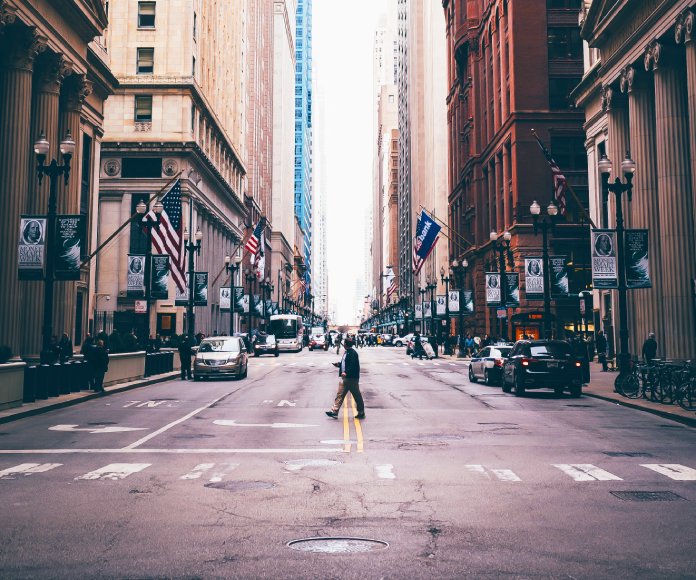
564, 43
146, 14
559, 91
138, 238
193, 118
143, 109
145, 61
195, 26
141, 167
193, 66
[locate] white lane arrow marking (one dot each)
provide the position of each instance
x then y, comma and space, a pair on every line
285, 403
233, 423
73, 428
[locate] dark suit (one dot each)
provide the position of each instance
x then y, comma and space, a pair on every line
350, 383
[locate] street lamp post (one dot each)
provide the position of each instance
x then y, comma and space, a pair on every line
53, 171
431, 284
250, 277
546, 224
446, 281
148, 224
422, 292
628, 166
460, 271
192, 249
266, 286
231, 268
503, 248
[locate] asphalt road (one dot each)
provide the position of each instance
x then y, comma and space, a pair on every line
213, 479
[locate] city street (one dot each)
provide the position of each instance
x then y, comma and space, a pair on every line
214, 479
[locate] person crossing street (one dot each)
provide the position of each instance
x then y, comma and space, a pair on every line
349, 380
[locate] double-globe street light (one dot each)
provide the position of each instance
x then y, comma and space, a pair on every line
460, 270
148, 224
53, 170
628, 167
266, 288
190, 248
502, 247
231, 267
250, 277
431, 285
446, 281
546, 223
422, 292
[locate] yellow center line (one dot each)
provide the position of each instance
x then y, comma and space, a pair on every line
358, 427
346, 429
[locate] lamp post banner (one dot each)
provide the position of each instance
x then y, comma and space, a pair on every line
159, 277
427, 310
225, 298
257, 305
512, 290
534, 278
493, 294
239, 300
468, 302
269, 307
32, 247
558, 274
181, 298
68, 246
604, 262
136, 276
245, 304
200, 289
441, 308
418, 315
454, 301
274, 308
637, 260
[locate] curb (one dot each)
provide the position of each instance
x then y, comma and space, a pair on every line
626, 403
86, 396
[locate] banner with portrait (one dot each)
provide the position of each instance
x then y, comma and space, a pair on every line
467, 302
136, 276
418, 311
181, 298
159, 277
245, 304
637, 260
200, 289
239, 300
558, 276
268, 309
454, 301
427, 309
493, 289
225, 298
604, 262
441, 305
258, 305
512, 289
32, 247
534, 278
68, 246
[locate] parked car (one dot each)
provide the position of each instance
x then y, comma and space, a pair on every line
399, 340
221, 356
318, 339
266, 344
542, 364
487, 364
386, 339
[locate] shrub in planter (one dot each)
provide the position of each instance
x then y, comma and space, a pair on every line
5, 353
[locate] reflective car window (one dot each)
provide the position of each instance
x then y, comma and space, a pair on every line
222, 345
553, 349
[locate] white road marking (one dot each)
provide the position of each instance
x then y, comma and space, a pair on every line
111, 429
506, 475
452, 364
285, 403
220, 473
480, 469
148, 404
172, 424
586, 472
233, 423
25, 469
673, 470
268, 401
197, 471
165, 451
436, 364
385, 471
297, 464
421, 364
114, 471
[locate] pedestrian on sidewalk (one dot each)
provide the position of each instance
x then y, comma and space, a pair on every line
579, 349
100, 365
65, 347
650, 348
339, 339
86, 351
601, 346
185, 353
348, 381
418, 350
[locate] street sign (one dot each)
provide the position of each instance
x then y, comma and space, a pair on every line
141, 306
501, 312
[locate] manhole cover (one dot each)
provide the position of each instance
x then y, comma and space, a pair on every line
647, 495
337, 545
627, 454
239, 485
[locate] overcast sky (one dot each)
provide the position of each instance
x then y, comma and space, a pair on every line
343, 35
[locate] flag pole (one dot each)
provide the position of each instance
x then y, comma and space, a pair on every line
432, 215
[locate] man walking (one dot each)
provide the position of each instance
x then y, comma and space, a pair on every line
185, 358
601, 345
100, 365
349, 380
650, 348
338, 343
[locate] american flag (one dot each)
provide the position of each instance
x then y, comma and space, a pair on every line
417, 260
393, 287
168, 237
301, 288
254, 242
560, 185
258, 260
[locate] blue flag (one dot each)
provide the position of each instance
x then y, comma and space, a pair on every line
426, 237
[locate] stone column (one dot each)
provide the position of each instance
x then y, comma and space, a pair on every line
74, 91
18, 48
646, 314
676, 204
616, 106
48, 74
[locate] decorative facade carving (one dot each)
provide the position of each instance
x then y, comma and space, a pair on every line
76, 92
170, 167
684, 26
112, 167
627, 78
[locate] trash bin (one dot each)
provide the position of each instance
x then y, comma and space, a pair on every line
63, 371
31, 374
43, 379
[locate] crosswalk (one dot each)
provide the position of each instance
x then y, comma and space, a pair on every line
325, 363
217, 472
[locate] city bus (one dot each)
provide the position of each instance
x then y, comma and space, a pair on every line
289, 332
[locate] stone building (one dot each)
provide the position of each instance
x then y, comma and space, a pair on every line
180, 110
54, 77
512, 66
639, 96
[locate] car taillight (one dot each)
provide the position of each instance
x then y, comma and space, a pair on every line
524, 362
499, 362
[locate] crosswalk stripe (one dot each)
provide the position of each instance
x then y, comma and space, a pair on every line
501, 474
586, 472
673, 470
220, 473
25, 469
197, 471
115, 471
385, 471
436, 364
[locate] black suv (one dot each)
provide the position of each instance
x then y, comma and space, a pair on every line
542, 364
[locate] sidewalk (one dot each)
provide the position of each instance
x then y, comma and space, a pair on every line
44, 405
